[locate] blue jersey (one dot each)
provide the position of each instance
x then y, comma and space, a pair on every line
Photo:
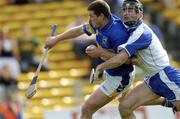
110, 37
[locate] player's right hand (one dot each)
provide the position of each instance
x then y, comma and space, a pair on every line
98, 73
93, 51
50, 42
135, 60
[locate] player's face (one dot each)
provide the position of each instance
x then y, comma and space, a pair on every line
130, 14
94, 19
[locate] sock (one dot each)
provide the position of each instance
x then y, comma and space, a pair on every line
174, 110
167, 103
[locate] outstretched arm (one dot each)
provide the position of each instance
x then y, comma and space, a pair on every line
71, 33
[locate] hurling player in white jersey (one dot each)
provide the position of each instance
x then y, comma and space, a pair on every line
161, 80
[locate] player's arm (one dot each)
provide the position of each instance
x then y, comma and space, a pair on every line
71, 33
106, 54
114, 62
127, 50
94, 51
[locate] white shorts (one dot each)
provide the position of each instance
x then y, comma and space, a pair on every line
113, 85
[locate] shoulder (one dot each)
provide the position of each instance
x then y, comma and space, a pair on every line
118, 32
142, 29
117, 21
118, 28
116, 17
118, 24
141, 34
147, 32
88, 28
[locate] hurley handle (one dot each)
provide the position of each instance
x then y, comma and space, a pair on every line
43, 57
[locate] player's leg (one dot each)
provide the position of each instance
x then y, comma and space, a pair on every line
97, 100
137, 97
159, 101
163, 102
108, 90
171, 77
165, 83
168, 86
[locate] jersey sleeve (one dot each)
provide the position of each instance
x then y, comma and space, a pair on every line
88, 29
140, 39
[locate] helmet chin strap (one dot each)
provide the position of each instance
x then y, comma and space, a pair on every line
130, 23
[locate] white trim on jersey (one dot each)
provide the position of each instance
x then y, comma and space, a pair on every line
146, 46
134, 36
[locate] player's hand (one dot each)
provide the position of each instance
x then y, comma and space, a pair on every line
128, 61
93, 51
98, 73
50, 42
135, 61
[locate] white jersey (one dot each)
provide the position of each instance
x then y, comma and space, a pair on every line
144, 44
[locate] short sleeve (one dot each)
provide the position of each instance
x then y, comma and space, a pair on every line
137, 41
87, 28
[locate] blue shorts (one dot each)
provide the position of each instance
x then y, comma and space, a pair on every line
166, 83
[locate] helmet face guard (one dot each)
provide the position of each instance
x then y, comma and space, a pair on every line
131, 12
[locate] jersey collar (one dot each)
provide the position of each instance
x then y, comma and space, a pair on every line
109, 24
131, 29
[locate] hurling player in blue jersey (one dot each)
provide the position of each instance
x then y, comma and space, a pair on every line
110, 33
161, 80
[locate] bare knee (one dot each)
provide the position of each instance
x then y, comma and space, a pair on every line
86, 109
125, 109
124, 105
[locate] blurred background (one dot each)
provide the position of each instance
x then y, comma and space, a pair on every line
63, 84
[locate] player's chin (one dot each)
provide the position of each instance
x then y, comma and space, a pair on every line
93, 56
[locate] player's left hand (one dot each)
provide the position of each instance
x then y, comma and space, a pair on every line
50, 42
98, 72
135, 61
93, 51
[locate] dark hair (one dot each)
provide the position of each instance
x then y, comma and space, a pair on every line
100, 6
136, 3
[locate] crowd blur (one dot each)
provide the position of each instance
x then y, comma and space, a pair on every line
10, 101
170, 4
17, 55
21, 2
